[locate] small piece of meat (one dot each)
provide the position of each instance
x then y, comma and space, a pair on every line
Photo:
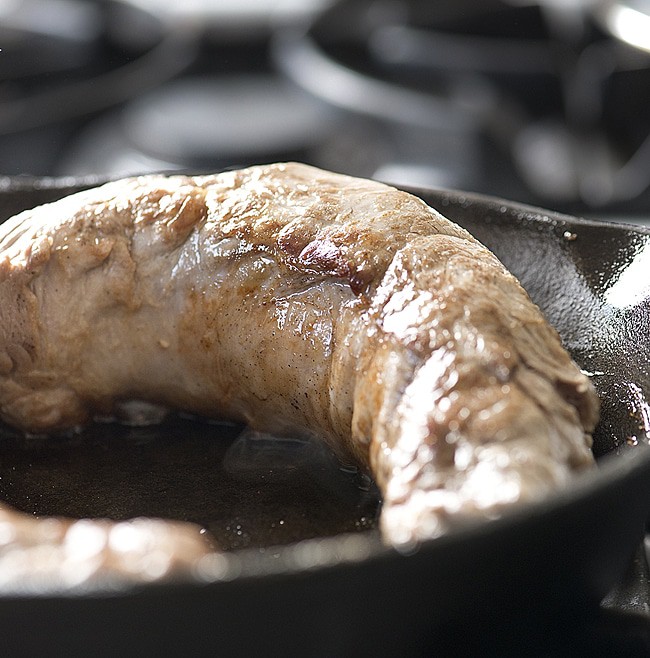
297, 300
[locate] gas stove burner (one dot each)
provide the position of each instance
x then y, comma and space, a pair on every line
201, 122
557, 107
206, 123
36, 97
64, 62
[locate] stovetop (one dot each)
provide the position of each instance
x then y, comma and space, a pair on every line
544, 103
527, 101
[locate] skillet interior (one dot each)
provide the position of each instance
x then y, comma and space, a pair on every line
349, 594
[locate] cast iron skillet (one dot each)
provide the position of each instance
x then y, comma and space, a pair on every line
547, 565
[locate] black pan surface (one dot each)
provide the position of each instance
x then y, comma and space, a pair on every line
305, 573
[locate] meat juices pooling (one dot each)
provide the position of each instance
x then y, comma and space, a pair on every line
298, 301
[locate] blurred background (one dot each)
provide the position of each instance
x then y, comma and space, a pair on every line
544, 102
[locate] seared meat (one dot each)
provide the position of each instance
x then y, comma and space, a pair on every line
298, 301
